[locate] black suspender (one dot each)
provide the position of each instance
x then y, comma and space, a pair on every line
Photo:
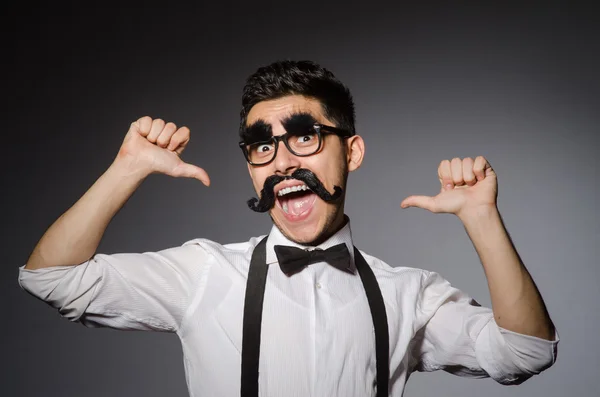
253, 305
382, 339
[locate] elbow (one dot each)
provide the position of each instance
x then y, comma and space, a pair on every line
511, 358
34, 262
68, 289
530, 355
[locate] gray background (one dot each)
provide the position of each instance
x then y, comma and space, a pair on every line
516, 84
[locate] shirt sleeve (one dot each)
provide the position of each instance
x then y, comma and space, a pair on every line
141, 291
461, 337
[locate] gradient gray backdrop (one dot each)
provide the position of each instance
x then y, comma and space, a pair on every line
518, 85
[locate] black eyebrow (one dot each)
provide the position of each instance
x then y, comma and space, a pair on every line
298, 123
259, 131
295, 124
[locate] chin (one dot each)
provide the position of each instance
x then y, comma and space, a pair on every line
304, 234
307, 232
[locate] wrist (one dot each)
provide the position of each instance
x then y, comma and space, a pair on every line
477, 214
129, 168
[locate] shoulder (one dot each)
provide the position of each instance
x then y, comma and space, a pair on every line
235, 255
402, 281
213, 247
408, 287
384, 271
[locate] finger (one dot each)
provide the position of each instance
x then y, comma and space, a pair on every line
479, 167
445, 175
166, 134
457, 171
468, 174
186, 170
425, 202
142, 125
157, 126
179, 140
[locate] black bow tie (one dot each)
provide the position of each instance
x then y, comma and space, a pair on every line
292, 259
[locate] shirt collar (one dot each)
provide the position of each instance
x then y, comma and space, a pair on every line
344, 235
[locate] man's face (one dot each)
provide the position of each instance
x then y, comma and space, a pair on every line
302, 216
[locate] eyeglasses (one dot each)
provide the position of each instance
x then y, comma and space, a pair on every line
300, 144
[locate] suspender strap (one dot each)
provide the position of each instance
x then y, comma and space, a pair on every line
377, 306
253, 305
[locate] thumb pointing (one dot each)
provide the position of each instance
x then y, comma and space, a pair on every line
425, 202
186, 170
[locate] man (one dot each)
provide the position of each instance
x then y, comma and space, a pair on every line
264, 317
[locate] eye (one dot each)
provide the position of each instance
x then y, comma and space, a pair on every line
305, 138
264, 148
261, 149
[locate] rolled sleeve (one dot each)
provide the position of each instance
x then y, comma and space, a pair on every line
511, 358
461, 337
69, 289
145, 291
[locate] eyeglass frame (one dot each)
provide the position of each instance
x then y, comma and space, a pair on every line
320, 129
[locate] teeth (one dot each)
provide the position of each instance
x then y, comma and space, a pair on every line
291, 189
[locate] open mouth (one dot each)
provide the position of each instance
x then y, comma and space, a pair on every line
296, 201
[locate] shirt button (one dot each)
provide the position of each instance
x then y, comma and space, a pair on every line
318, 285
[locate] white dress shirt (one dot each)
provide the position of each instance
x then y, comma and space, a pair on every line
317, 335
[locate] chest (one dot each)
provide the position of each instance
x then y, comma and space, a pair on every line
312, 315
316, 328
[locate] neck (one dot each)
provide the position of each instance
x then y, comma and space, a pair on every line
338, 223
336, 227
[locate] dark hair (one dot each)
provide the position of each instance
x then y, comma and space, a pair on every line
305, 78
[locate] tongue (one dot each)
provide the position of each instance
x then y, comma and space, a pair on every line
298, 205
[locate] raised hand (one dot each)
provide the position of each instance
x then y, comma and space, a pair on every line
153, 146
466, 185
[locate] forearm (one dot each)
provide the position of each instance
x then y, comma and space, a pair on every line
76, 234
516, 301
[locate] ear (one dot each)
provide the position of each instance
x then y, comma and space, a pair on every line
355, 152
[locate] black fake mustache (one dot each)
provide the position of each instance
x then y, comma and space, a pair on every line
267, 194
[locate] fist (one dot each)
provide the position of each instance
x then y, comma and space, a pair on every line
153, 146
466, 185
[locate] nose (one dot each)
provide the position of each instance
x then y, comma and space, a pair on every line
285, 161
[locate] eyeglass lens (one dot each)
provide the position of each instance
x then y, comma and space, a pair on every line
302, 144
